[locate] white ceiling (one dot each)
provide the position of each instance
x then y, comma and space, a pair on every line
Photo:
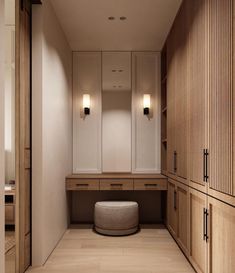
86, 24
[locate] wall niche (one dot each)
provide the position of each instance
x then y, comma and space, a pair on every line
116, 136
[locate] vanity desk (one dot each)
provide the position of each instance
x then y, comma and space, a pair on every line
83, 190
114, 182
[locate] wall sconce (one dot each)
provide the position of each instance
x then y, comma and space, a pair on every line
86, 104
146, 102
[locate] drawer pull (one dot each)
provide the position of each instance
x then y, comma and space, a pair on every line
116, 185
150, 185
82, 185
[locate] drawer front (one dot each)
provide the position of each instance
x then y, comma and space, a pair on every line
116, 184
9, 214
150, 184
82, 184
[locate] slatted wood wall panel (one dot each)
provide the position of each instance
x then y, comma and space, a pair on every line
171, 73
23, 129
181, 86
197, 87
221, 94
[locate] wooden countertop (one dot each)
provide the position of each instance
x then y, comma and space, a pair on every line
116, 175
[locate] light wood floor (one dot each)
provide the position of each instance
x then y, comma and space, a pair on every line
151, 250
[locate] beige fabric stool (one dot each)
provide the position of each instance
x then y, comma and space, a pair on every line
116, 217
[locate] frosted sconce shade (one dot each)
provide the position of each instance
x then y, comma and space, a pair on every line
146, 103
86, 104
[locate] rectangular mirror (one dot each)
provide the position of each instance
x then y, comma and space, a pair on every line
116, 111
10, 191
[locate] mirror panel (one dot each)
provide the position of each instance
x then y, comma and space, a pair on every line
10, 192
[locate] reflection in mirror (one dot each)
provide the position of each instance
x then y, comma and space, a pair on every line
10, 136
116, 112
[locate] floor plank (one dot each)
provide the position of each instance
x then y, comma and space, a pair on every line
152, 250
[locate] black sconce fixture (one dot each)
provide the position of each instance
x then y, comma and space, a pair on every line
146, 103
86, 104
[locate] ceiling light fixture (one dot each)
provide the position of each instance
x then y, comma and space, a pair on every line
111, 18
122, 18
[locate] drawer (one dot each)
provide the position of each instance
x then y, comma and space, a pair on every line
116, 184
82, 184
150, 184
9, 214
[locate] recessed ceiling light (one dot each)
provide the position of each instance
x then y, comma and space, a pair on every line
111, 18
122, 18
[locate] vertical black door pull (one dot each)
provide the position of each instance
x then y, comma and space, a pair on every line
205, 225
205, 165
175, 198
175, 161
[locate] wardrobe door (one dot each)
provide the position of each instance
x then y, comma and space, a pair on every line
221, 237
171, 119
221, 96
198, 240
183, 212
172, 207
198, 95
181, 81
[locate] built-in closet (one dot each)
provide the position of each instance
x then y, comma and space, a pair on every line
199, 56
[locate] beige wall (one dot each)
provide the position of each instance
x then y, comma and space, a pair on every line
52, 131
2, 239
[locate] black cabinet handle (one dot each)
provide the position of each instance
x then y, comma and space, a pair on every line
205, 165
117, 185
175, 198
175, 161
150, 185
205, 225
82, 185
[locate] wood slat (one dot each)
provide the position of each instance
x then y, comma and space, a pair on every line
221, 94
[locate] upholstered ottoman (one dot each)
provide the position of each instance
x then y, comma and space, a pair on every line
116, 217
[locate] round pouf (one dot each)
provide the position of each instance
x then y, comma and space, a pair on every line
116, 218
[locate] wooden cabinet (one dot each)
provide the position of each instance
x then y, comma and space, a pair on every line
172, 208
197, 92
198, 241
221, 237
221, 102
177, 61
183, 211
178, 209
171, 68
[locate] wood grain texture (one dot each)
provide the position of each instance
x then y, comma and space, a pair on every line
152, 250
116, 184
198, 92
23, 135
222, 237
221, 94
172, 216
198, 247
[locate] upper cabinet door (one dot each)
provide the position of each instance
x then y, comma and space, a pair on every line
87, 128
171, 92
177, 87
146, 129
198, 91
221, 102
182, 43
